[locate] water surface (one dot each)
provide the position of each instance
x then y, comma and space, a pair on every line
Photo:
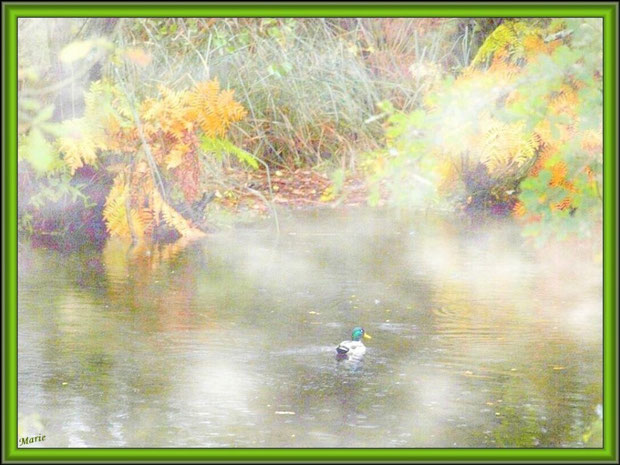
479, 339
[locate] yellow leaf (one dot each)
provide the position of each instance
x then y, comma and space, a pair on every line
76, 50
175, 157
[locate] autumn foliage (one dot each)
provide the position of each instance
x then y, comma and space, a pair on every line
518, 130
154, 150
476, 115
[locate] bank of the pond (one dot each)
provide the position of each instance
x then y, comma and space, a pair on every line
299, 188
233, 197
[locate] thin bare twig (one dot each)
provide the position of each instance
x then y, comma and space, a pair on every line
147, 149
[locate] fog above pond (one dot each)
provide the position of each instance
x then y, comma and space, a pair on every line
479, 338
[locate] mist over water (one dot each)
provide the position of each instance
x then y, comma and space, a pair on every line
479, 340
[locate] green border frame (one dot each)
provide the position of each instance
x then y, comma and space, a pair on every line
608, 11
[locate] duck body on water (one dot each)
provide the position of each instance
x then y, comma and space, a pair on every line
355, 348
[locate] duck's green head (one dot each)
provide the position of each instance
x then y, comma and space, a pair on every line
359, 333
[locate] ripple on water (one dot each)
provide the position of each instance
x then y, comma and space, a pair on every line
303, 351
478, 343
207, 345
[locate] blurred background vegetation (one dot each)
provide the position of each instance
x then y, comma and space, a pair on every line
149, 127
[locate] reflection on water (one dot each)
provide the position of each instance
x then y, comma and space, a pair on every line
479, 340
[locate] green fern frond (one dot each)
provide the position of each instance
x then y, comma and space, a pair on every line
219, 147
506, 37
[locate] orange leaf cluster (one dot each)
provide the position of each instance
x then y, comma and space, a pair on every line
505, 54
170, 128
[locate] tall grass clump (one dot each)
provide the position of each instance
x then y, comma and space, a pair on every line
311, 86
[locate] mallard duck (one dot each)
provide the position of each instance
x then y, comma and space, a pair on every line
354, 348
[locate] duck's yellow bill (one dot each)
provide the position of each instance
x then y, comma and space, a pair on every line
367, 336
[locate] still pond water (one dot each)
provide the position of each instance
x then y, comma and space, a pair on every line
479, 339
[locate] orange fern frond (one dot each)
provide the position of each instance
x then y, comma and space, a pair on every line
174, 219
562, 205
558, 174
519, 210
114, 211
214, 111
